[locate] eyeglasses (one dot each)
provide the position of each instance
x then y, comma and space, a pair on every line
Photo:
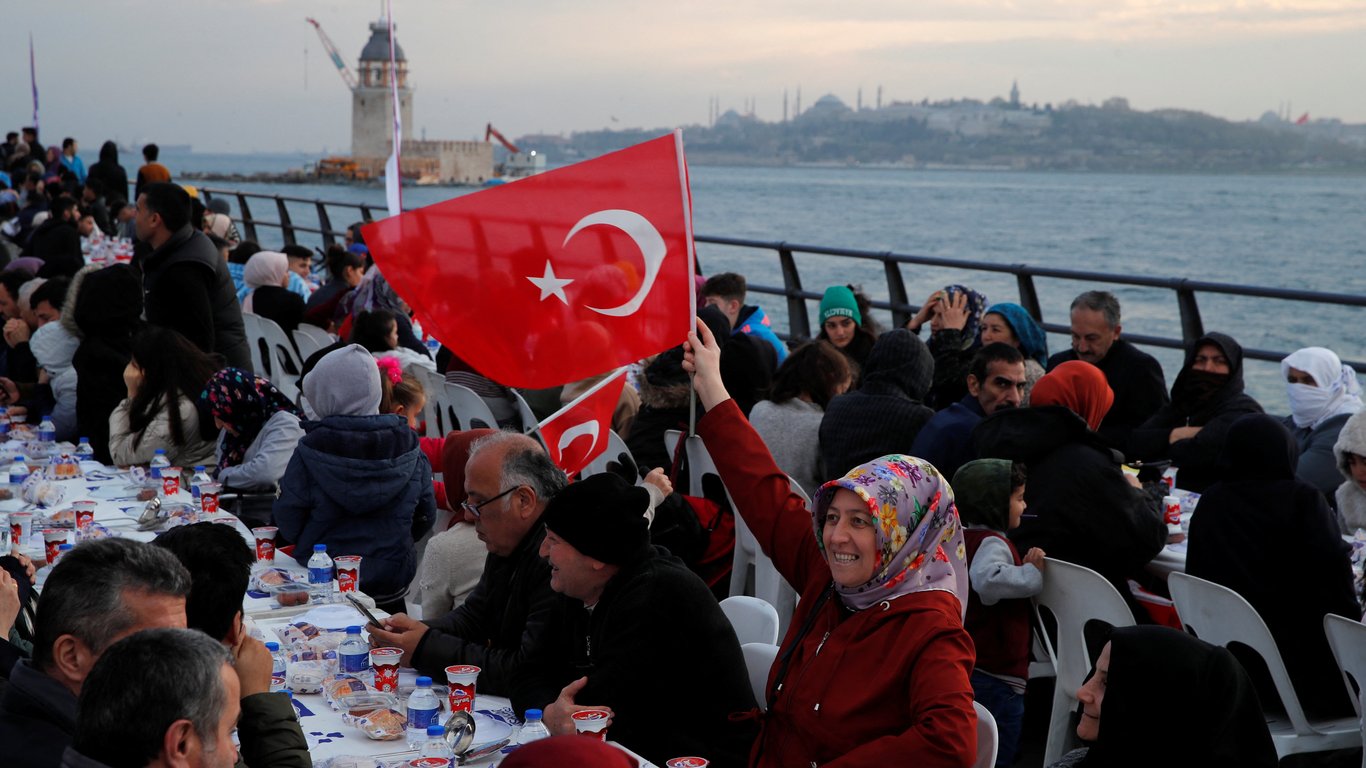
473, 509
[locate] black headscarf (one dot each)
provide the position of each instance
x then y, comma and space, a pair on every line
900, 364
1196, 394
1173, 700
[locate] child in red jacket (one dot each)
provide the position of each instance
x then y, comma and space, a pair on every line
990, 496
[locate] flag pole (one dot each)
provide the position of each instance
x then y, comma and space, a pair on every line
393, 179
33, 80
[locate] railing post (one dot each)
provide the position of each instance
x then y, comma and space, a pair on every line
248, 223
366, 214
798, 324
896, 291
1029, 297
1192, 327
325, 224
286, 226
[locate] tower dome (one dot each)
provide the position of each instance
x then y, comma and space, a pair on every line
377, 49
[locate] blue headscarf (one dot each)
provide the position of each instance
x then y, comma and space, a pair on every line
1033, 342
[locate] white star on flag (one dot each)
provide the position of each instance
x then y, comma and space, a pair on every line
551, 285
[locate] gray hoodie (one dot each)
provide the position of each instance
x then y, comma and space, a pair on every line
1351, 497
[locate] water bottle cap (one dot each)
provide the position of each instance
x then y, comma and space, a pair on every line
353, 630
272, 646
436, 731
533, 714
85, 440
64, 547
319, 547
197, 467
159, 450
424, 682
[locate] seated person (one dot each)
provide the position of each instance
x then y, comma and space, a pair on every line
1085, 509
876, 662
357, 481
954, 314
453, 562
508, 480
164, 377
259, 429
623, 602
789, 421
377, 331
265, 278
846, 323
1012, 324
990, 497
1323, 395
161, 697
996, 380
100, 592
219, 561
1261, 513
1144, 669
1350, 451
345, 268
1206, 399
726, 291
886, 412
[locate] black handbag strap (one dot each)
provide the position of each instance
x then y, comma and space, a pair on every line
785, 658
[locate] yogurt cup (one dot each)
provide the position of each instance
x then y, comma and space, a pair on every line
208, 497
385, 662
687, 762
265, 543
170, 481
592, 722
53, 539
461, 679
348, 573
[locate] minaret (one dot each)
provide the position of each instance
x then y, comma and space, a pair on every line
372, 121
1015, 94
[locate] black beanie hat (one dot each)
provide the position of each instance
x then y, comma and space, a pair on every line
602, 517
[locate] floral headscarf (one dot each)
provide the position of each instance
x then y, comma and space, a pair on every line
919, 537
977, 306
245, 401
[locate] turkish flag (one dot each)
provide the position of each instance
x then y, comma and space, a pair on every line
577, 433
556, 277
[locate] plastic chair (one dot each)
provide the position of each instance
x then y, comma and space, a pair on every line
1075, 596
284, 362
988, 740
316, 335
466, 410
615, 448
1347, 638
525, 415
1216, 614
759, 659
434, 409
754, 620
251, 323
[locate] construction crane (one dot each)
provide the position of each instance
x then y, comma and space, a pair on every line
331, 49
490, 131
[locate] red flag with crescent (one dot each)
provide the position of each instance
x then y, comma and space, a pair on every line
577, 433
556, 277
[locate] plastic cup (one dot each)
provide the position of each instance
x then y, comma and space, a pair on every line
265, 543
385, 663
687, 762
170, 481
208, 497
348, 573
6, 534
1169, 479
1171, 513
592, 722
21, 528
85, 513
53, 539
429, 762
460, 679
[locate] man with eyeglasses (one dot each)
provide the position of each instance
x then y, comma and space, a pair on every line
509, 479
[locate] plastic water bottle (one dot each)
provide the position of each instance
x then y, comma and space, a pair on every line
277, 668
159, 462
533, 729
353, 655
321, 579
433, 346
85, 451
18, 471
435, 745
47, 431
201, 477
423, 708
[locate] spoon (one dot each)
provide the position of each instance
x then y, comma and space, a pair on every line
459, 732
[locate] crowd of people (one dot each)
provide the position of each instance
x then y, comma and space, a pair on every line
907, 489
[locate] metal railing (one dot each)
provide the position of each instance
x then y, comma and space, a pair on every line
796, 297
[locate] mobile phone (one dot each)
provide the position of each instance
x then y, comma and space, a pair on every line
358, 605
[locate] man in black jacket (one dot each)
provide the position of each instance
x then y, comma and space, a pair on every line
185, 282
56, 241
634, 632
508, 481
1135, 377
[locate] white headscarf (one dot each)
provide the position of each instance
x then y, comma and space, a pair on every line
263, 268
1338, 391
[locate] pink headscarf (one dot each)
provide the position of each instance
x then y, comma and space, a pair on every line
263, 268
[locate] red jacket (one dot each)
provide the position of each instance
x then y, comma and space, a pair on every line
883, 686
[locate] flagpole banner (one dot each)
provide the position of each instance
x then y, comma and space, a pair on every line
556, 277
576, 434
393, 179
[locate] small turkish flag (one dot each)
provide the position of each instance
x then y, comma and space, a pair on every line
577, 433
556, 277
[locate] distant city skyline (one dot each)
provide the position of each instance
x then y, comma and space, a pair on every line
252, 76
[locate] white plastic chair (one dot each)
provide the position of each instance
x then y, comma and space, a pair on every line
525, 415
988, 739
1218, 615
309, 339
754, 620
466, 410
251, 323
435, 408
759, 659
1075, 596
1347, 638
284, 363
615, 447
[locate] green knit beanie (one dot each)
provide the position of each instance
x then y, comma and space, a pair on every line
981, 490
839, 301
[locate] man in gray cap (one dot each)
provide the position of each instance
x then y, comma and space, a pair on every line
635, 632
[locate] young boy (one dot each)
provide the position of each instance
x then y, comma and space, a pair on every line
990, 498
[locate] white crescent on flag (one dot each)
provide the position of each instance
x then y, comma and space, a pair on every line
589, 428
647, 239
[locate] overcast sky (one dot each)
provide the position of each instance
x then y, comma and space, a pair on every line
250, 75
